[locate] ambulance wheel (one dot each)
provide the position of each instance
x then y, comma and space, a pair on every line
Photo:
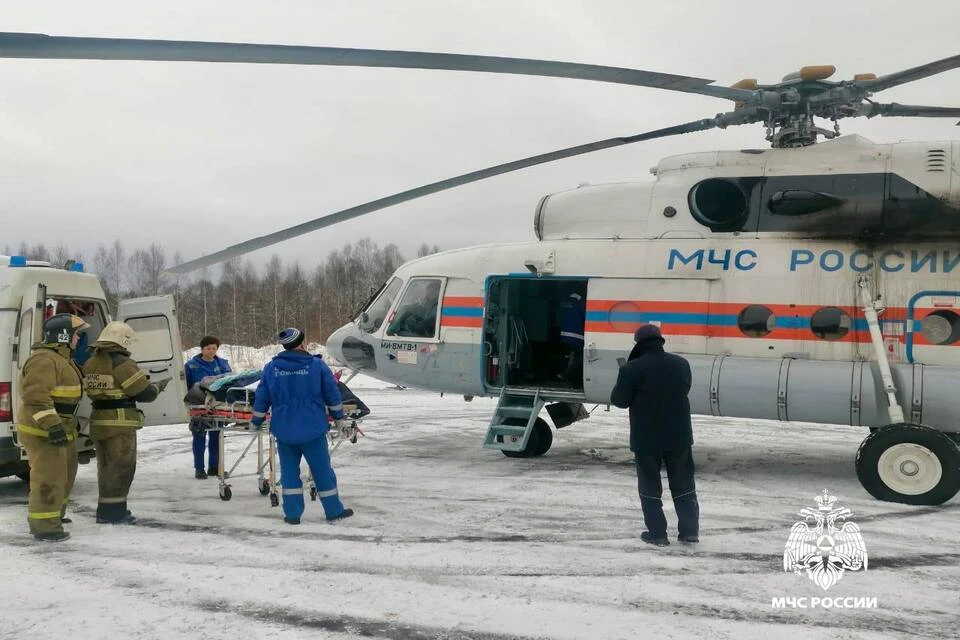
226, 493
274, 500
910, 464
541, 439
313, 494
264, 487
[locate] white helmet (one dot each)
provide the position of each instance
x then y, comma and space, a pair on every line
119, 333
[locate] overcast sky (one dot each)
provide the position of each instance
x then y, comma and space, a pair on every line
199, 156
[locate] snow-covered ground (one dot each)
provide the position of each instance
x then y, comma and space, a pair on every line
454, 541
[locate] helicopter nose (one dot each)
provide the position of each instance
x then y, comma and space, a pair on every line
335, 344
349, 346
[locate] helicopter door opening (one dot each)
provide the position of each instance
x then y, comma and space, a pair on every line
534, 333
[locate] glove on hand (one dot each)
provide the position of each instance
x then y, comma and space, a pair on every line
57, 436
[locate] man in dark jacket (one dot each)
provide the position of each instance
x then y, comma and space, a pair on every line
654, 385
299, 390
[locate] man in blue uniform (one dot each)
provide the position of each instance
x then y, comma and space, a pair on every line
654, 385
204, 364
573, 312
298, 389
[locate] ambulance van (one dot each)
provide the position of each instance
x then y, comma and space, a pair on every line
30, 292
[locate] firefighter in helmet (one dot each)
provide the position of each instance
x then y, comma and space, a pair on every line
50, 390
115, 384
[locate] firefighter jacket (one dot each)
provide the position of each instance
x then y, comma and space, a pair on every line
50, 390
115, 383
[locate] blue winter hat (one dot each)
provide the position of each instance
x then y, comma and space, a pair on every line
290, 338
647, 332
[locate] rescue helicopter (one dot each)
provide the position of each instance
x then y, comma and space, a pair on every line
806, 282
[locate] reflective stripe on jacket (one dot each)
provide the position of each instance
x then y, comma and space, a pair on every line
50, 388
113, 378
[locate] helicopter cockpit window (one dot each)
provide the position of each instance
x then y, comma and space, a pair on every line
756, 321
373, 316
416, 317
830, 323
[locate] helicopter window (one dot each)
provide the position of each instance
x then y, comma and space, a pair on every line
718, 204
756, 321
830, 323
416, 317
372, 318
941, 327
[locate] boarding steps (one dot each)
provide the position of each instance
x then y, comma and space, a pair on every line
513, 420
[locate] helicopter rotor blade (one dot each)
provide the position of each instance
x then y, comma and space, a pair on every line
254, 244
913, 110
909, 75
36, 45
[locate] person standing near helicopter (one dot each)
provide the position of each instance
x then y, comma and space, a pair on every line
654, 385
299, 390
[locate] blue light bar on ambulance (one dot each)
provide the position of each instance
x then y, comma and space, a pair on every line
77, 266
18, 261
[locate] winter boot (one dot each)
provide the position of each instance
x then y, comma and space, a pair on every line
292, 520
200, 474
688, 539
114, 513
213, 473
346, 513
55, 536
649, 538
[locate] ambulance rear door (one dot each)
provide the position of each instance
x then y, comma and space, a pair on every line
157, 350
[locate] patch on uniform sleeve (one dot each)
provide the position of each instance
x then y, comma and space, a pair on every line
98, 381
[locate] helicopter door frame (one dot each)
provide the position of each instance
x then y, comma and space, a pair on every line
913, 349
502, 337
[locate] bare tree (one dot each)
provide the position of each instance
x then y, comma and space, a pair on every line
426, 250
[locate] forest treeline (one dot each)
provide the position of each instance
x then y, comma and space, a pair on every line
243, 305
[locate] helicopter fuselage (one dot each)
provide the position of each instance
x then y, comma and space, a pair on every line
772, 321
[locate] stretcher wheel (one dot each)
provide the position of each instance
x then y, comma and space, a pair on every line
313, 494
226, 494
274, 500
264, 487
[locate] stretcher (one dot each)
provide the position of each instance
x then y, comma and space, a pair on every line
236, 418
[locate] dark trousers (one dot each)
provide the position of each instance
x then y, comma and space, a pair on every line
679, 464
199, 444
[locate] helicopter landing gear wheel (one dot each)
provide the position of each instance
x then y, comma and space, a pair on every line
910, 464
541, 439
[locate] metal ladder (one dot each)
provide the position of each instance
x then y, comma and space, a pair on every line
522, 404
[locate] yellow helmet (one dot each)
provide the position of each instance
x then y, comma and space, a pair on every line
119, 333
